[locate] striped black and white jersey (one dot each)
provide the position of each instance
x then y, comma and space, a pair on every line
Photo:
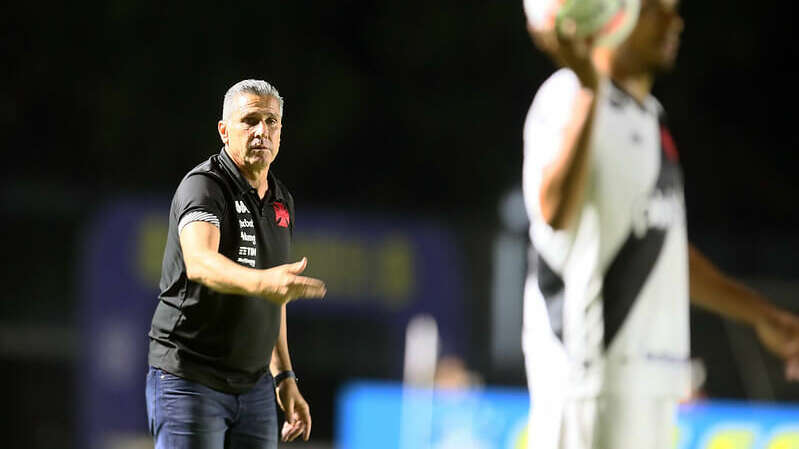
606, 300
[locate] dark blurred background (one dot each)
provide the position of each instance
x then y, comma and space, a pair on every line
395, 111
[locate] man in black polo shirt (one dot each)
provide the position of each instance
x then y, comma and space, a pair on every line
219, 331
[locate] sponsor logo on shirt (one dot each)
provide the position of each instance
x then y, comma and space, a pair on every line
248, 237
247, 251
246, 223
241, 208
660, 211
245, 261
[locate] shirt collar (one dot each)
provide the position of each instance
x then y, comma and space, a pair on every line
273, 193
620, 95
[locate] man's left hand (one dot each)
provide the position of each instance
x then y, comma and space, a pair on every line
296, 411
779, 333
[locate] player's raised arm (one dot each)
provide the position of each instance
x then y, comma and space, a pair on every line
564, 177
199, 241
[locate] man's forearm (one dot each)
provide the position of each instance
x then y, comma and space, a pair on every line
281, 360
564, 180
221, 274
714, 291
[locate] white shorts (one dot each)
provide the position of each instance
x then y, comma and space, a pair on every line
607, 421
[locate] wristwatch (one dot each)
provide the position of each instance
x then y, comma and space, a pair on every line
283, 375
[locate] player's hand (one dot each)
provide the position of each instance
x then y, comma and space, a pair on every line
575, 53
545, 40
779, 333
295, 410
283, 283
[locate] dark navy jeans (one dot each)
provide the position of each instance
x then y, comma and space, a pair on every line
187, 415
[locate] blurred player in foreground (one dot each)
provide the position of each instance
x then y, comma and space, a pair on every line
220, 324
606, 329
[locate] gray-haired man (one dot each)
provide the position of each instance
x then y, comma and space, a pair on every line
218, 334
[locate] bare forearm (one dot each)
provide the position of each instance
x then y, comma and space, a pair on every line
221, 274
564, 180
205, 265
712, 290
281, 361
777, 329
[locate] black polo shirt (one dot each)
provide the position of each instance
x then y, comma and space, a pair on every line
220, 340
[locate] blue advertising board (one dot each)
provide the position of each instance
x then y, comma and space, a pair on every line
384, 415
119, 292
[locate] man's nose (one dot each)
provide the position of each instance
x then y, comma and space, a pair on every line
261, 129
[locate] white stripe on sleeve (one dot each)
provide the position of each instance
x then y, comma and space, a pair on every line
197, 215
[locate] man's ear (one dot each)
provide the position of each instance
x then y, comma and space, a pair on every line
222, 128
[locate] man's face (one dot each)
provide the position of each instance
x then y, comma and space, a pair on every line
252, 130
655, 39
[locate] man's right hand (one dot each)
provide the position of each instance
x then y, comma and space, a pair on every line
575, 52
283, 283
568, 50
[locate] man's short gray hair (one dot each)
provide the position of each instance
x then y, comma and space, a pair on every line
256, 87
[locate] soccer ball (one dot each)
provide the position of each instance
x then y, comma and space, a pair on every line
609, 21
